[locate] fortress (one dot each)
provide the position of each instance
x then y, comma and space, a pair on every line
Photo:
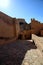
18, 28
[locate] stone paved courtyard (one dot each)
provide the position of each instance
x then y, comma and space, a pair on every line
20, 52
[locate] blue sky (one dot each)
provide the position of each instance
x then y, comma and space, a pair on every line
26, 9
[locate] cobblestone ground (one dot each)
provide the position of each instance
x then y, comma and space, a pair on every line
20, 52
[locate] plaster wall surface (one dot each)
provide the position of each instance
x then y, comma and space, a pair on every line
41, 32
36, 27
6, 30
38, 41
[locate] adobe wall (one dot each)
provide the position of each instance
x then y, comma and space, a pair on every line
36, 26
6, 18
21, 20
17, 27
27, 34
10, 27
38, 41
6, 30
41, 32
27, 26
23, 30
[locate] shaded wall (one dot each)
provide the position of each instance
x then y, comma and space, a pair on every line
6, 30
27, 34
16, 26
41, 32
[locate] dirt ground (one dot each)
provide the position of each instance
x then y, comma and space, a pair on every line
15, 52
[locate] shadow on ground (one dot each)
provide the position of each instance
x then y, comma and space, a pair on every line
13, 53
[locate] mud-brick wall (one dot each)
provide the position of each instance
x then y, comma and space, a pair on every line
38, 42
36, 26
34, 31
17, 27
41, 32
27, 34
6, 30
6, 18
